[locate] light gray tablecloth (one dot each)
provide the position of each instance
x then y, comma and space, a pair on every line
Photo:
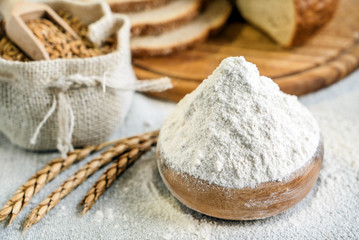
138, 205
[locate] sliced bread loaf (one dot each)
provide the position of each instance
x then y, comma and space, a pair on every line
210, 20
288, 22
168, 16
134, 5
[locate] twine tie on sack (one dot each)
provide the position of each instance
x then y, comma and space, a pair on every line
66, 121
61, 101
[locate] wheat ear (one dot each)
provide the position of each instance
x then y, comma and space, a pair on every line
52, 169
87, 170
116, 168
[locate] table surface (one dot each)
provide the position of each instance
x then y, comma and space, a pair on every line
138, 205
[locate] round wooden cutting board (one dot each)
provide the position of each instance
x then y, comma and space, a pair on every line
329, 56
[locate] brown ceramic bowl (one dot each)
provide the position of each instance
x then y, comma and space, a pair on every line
265, 200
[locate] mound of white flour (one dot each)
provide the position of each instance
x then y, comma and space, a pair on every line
237, 129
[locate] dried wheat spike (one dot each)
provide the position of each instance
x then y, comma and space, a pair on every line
113, 172
53, 168
87, 170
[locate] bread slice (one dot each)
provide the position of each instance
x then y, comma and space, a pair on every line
134, 5
288, 22
210, 20
158, 20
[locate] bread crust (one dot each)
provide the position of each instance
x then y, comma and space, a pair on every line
2, 28
211, 30
135, 6
311, 15
160, 27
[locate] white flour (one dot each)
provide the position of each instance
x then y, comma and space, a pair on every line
237, 129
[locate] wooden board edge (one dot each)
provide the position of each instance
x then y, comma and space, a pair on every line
299, 84
322, 76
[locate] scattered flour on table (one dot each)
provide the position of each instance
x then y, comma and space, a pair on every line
237, 129
99, 216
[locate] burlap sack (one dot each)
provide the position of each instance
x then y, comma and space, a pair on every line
63, 103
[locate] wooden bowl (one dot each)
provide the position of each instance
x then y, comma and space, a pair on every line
265, 200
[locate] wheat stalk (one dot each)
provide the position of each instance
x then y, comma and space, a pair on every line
106, 180
23, 195
87, 170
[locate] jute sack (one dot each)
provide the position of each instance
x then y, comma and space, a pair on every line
58, 104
